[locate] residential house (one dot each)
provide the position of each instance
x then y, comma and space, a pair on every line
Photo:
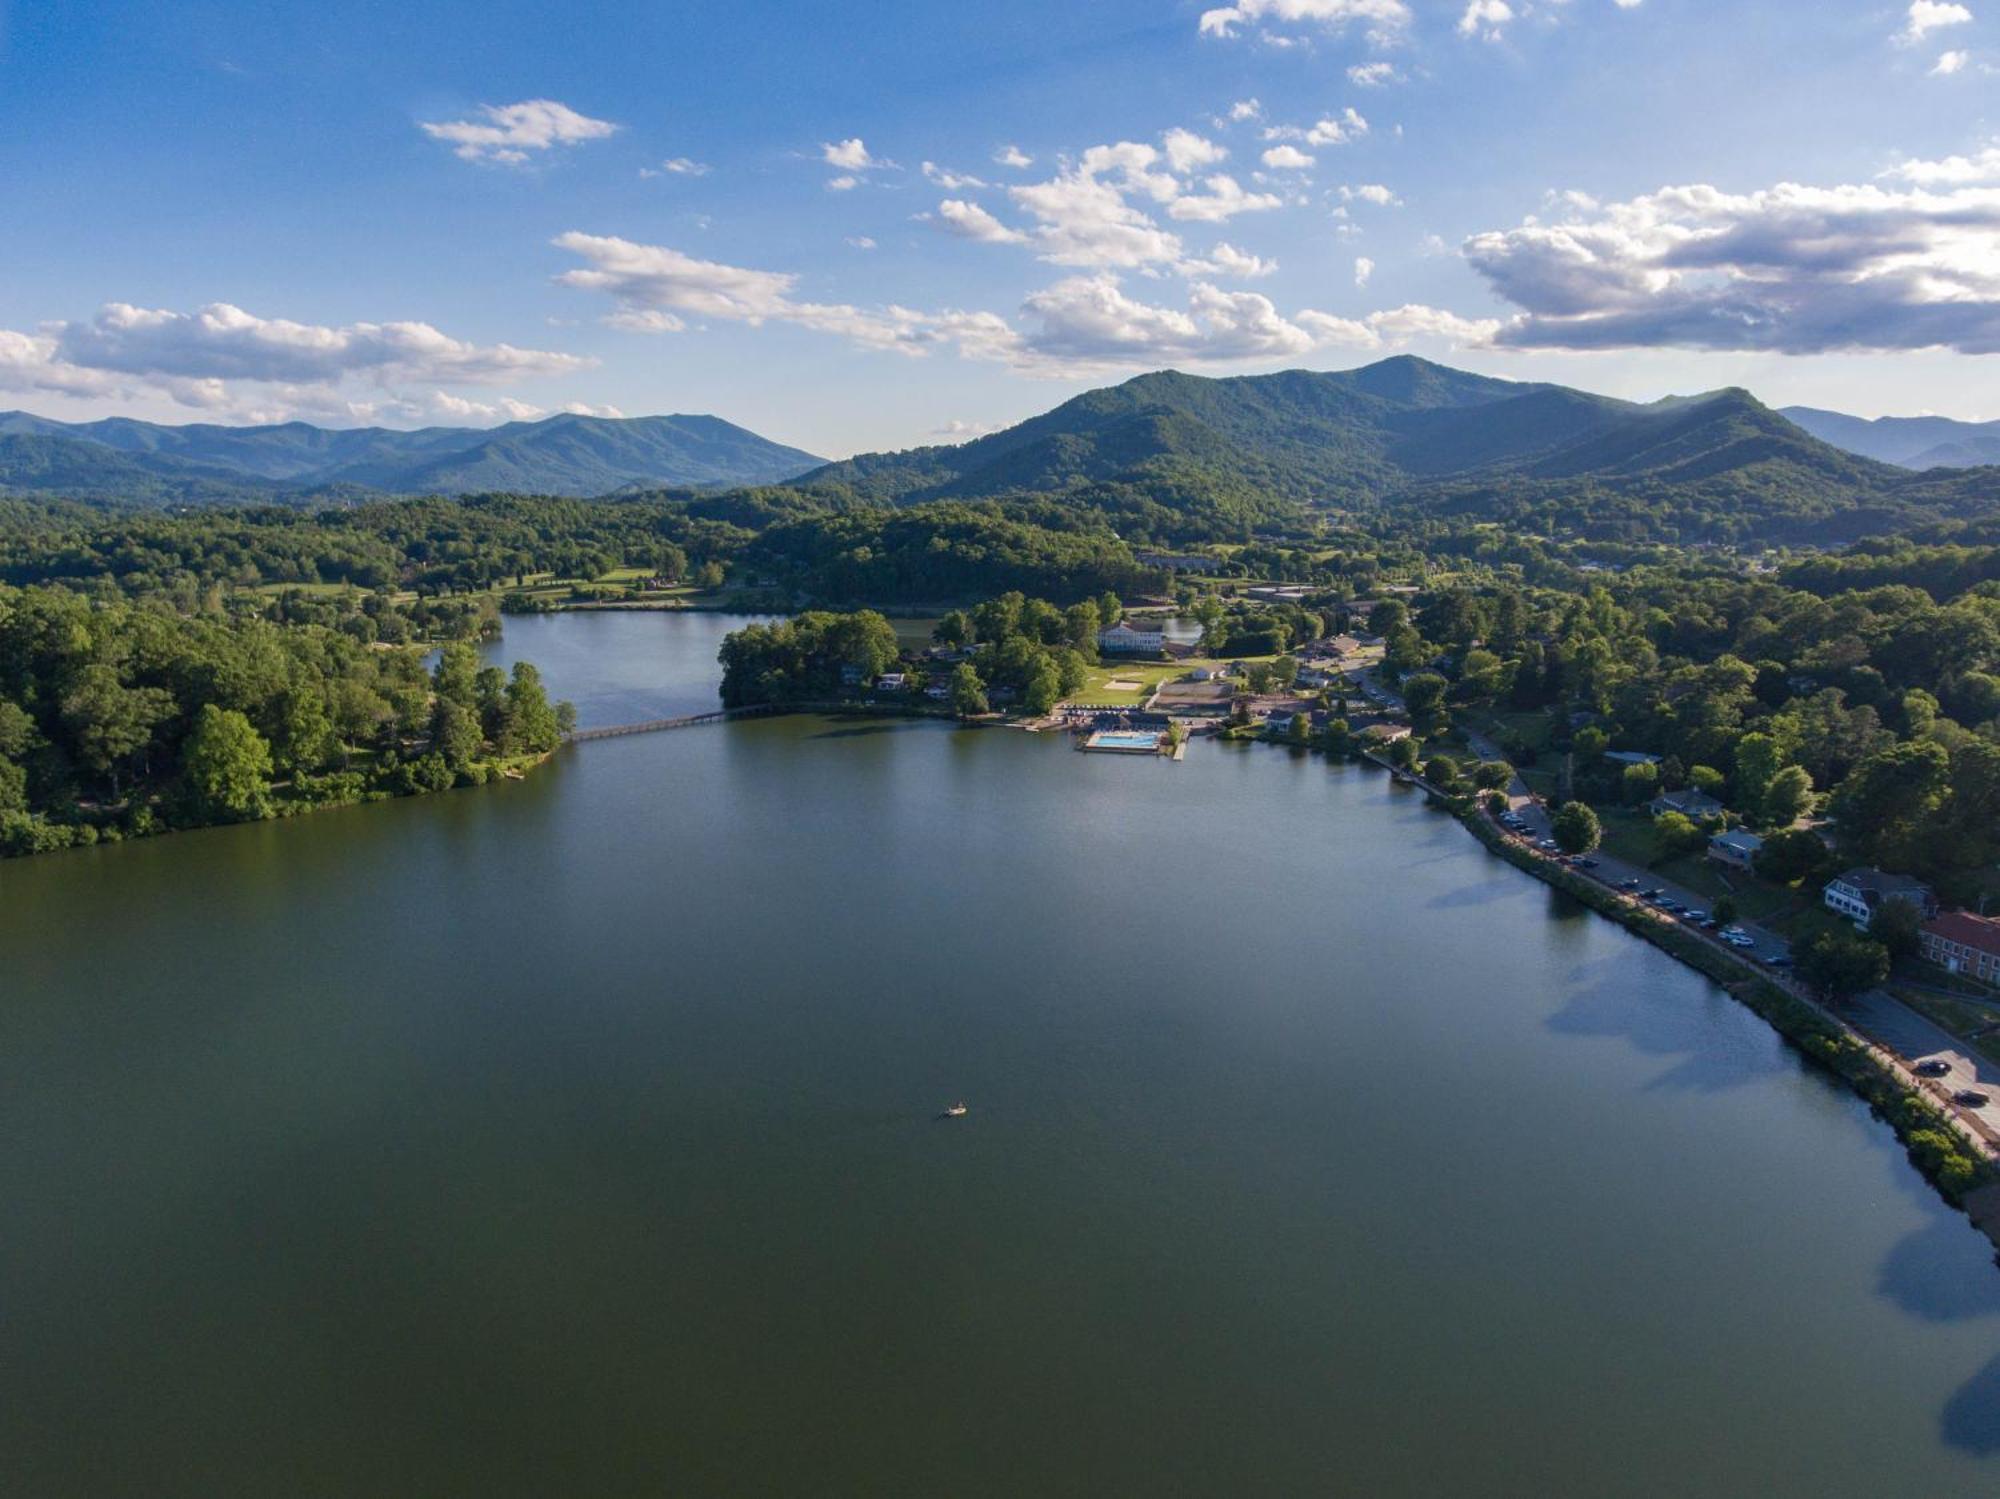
852, 676
1689, 803
892, 681
938, 691
1964, 943
1631, 757
1735, 848
1860, 893
1210, 673
1132, 638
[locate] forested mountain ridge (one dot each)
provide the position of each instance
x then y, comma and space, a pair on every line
564, 454
1411, 435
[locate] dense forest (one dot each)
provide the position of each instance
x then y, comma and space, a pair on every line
119, 719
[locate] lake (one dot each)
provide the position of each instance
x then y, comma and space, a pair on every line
579, 1136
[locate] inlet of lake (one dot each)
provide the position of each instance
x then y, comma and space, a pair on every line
580, 1137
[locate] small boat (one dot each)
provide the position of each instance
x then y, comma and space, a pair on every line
956, 1111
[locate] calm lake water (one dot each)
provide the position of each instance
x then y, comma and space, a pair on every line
577, 1137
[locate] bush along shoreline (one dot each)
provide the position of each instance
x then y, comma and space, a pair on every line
1940, 1153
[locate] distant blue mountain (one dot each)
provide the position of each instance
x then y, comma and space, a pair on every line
1907, 441
568, 455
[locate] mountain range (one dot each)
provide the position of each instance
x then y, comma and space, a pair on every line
1918, 442
1420, 436
1163, 456
566, 455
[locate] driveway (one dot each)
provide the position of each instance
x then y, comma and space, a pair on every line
1885, 1019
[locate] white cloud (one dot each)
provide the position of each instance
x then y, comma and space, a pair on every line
845, 183
1187, 152
1013, 156
1245, 109
1485, 19
507, 134
1226, 260
1951, 170
1287, 159
1333, 130
223, 360
949, 180
849, 155
1789, 269
1385, 19
1374, 74
861, 242
1370, 192
682, 166
1926, 16
1363, 269
1949, 63
1224, 199
958, 430
970, 221
1085, 220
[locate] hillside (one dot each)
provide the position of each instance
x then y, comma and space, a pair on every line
1917, 442
566, 455
1407, 434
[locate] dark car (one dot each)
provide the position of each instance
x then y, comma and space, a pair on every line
1628, 884
1932, 1067
1711, 925
1586, 863
1970, 1098
1777, 960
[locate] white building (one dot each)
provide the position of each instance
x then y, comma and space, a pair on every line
1132, 638
1860, 893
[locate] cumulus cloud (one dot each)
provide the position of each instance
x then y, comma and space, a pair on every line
1951, 170
970, 221
849, 155
1287, 159
1790, 269
1222, 197
1364, 268
1188, 152
1080, 325
1013, 156
224, 360
1332, 130
1370, 192
949, 180
1926, 16
1384, 19
1485, 19
1245, 109
1374, 74
1227, 260
510, 134
1949, 63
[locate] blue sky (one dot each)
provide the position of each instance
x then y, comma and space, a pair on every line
895, 223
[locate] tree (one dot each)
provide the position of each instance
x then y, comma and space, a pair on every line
1403, 753
1885, 806
457, 674
110, 723
305, 733
1576, 829
1423, 694
1639, 784
968, 693
1839, 965
1496, 804
1758, 759
1791, 856
1898, 925
1707, 779
455, 733
954, 630
1788, 796
1044, 687
1300, 729
1493, 775
1724, 909
1675, 833
1441, 770
531, 725
227, 765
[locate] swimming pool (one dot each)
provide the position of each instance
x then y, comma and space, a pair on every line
1130, 740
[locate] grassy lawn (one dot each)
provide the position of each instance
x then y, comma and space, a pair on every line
1976, 1025
1149, 674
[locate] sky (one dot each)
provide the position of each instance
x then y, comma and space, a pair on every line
854, 227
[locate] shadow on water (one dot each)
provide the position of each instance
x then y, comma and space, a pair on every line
1605, 1006
1924, 1273
864, 728
1971, 1419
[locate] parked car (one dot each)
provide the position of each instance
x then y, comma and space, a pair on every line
1585, 862
1932, 1067
1694, 916
1777, 960
1628, 884
1970, 1098
1711, 925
